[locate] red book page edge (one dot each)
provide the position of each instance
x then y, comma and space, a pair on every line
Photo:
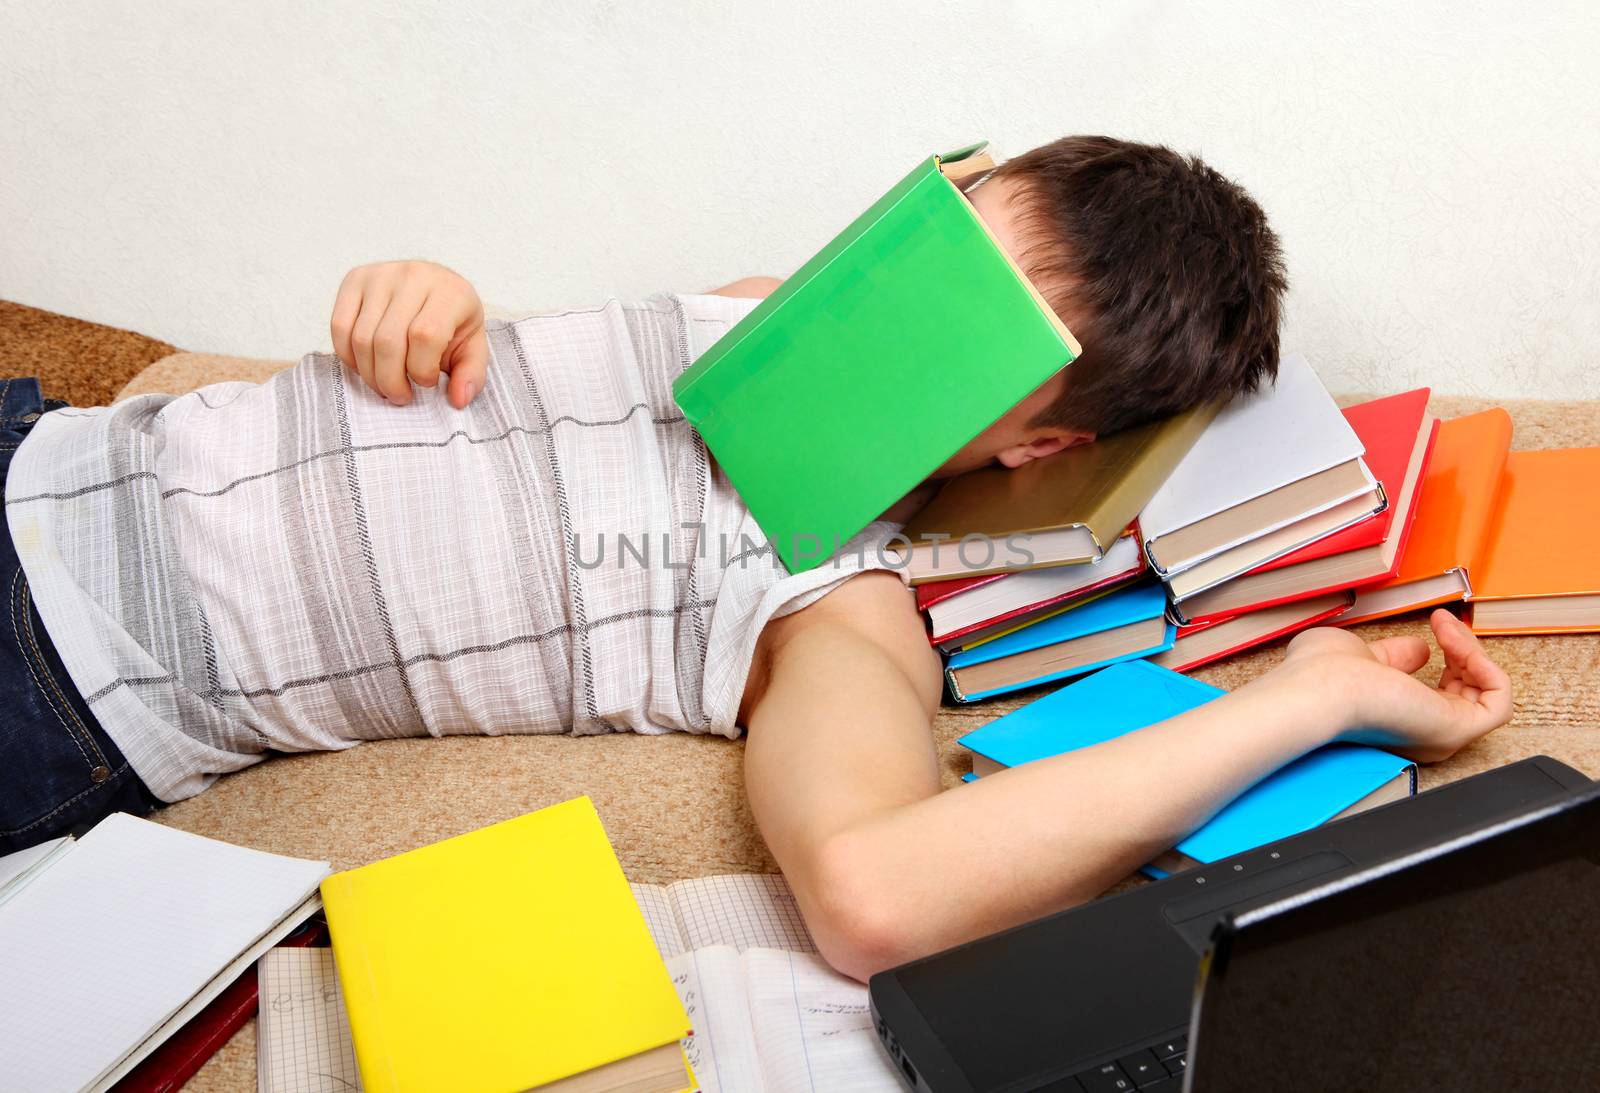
1304, 624
955, 636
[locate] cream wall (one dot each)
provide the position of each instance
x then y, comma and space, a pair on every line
204, 172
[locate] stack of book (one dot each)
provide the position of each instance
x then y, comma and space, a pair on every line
1183, 541
1225, 532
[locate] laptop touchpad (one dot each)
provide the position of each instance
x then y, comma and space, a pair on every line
1194, 914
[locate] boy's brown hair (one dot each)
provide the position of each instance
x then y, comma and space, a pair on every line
1166, 271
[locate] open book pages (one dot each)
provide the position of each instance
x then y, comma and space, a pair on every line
177, 917
769, 1015
774, 1022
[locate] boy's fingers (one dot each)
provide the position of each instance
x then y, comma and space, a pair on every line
1464, 654
374, 302
346, 306
428, 338
1406, 652
392, 342
1491, 683
469, 366
1457, 641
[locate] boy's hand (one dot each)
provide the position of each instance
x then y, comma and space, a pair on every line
399, 323
1396, 711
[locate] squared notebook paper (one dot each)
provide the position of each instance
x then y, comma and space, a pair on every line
512, 957
1455, 519
898, 342
1541, 570
1130, 622
1064, 509
770, 1016
1281, 456
124, 937
303, 1032
1398, 434
1332, 781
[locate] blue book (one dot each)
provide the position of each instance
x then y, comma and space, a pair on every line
1126, 624
1322, 785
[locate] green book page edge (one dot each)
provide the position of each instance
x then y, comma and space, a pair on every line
963, 152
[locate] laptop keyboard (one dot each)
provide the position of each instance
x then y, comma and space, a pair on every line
1156, 1069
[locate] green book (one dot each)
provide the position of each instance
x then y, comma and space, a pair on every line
897, 343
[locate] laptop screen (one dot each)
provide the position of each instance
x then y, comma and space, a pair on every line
1475, 968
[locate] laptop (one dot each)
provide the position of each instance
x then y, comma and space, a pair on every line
1450, 940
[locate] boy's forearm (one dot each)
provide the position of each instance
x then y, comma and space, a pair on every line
1024, 842
930, 869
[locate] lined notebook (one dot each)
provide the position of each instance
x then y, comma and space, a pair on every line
769, 1015
126, 936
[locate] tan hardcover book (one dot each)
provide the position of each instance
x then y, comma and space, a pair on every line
1065, 509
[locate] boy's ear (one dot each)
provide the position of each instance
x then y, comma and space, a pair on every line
1040, 445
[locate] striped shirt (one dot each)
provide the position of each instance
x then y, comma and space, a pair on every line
300, 565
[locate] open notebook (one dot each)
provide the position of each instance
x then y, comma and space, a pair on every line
769, 1015
124, 936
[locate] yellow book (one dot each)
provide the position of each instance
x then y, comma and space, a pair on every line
512, 957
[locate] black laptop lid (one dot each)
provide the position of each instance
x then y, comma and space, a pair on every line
1471, 965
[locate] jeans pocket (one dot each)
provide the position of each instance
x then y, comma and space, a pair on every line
49, 759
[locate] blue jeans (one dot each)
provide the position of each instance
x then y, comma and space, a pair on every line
59, 771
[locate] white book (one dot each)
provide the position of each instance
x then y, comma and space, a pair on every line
1258, 448
126, 936
769, 1015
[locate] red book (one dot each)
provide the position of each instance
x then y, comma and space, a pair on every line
1398, 434
1205, 642
169, 1066
969, 608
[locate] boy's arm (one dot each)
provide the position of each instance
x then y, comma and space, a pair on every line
844, 782
399, 323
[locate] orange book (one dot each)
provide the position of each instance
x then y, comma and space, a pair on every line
1541, 573
1455, 516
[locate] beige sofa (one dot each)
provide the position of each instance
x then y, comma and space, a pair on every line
675, 806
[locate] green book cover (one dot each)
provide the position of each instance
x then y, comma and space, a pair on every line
898, 342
